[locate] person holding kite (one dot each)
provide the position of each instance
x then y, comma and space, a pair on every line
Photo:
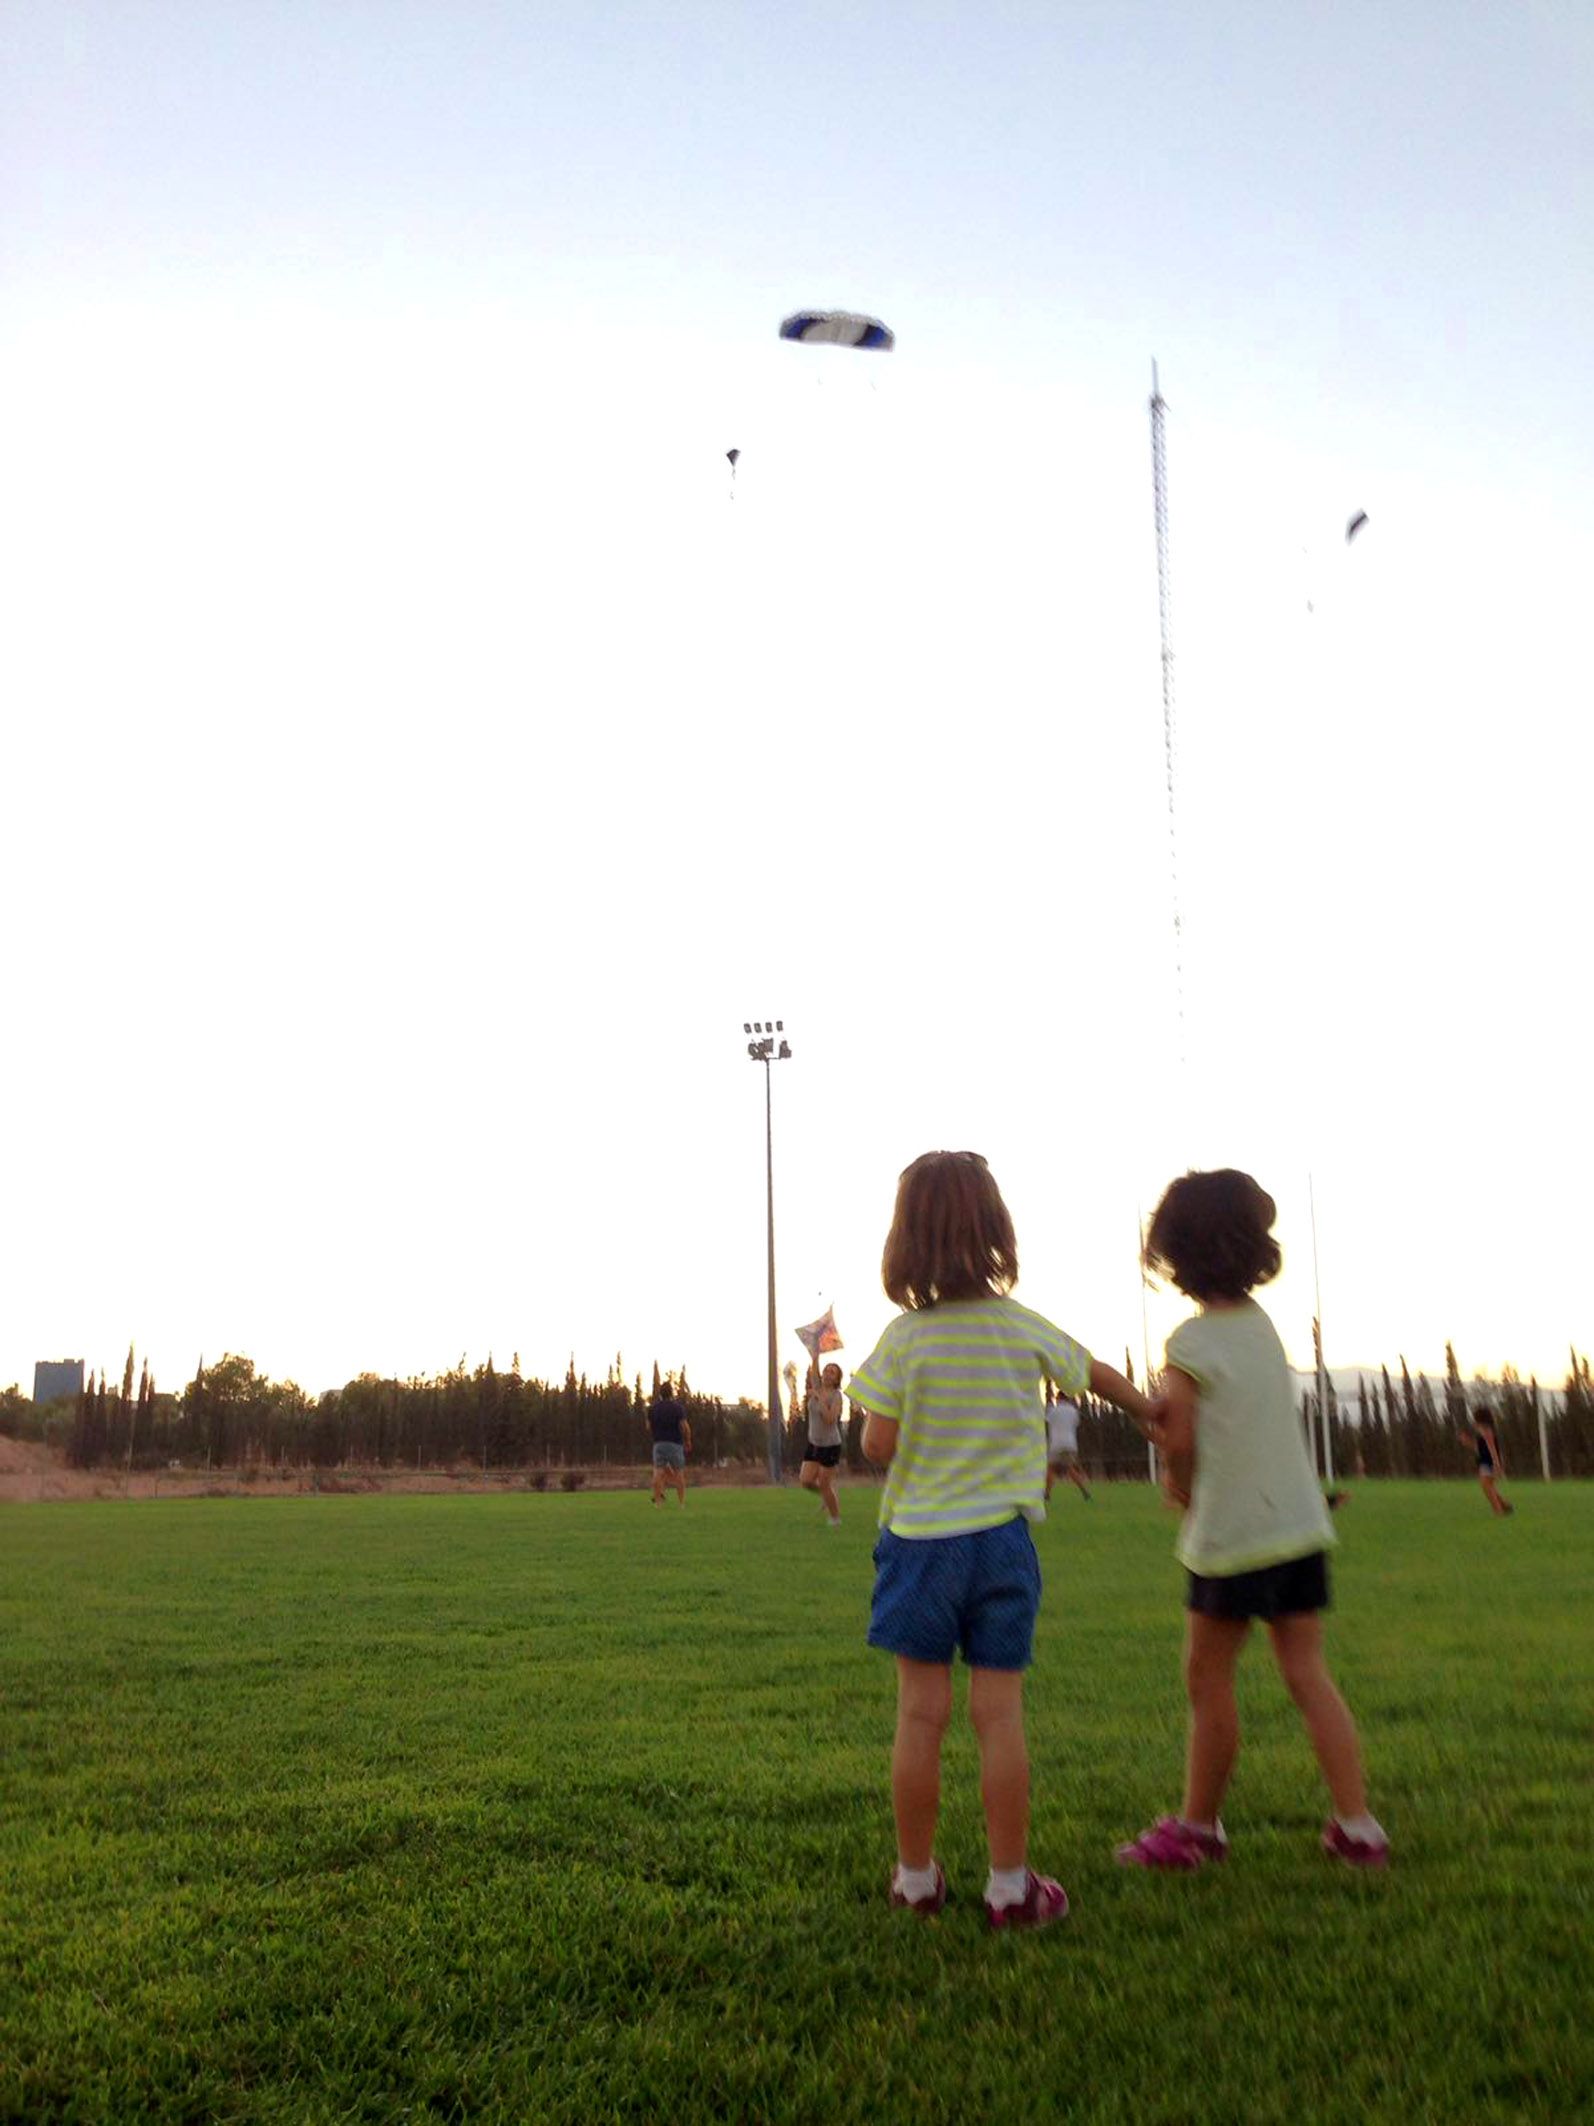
822, 1452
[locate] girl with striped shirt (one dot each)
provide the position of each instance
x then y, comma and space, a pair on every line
953, 1396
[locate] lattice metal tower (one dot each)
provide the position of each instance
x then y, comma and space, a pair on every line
1159, 491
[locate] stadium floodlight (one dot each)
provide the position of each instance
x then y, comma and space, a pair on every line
764, 1050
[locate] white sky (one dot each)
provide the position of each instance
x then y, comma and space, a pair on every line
416, 769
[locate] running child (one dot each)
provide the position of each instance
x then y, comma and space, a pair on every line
1062, 1442
952, 1393
1491, 1463
1256, 1534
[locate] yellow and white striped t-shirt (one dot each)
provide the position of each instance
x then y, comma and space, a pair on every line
962, 1381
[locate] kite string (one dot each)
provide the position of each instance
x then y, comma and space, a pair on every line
1159, 485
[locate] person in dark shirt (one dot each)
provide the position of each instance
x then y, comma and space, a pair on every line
1491, 1463
672, 1442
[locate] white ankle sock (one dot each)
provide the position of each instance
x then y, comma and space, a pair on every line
915, 1883
1006, 1886
1214, 1829
1367, 1828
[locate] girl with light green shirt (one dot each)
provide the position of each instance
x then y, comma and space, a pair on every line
1255, 1536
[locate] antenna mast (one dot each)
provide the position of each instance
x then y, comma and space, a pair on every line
1159, 494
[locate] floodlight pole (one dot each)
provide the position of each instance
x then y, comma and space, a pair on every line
763, 1049
777, 1417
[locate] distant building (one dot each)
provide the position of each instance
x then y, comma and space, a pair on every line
56, 1378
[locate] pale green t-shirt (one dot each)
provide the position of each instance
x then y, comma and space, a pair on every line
1255, 1500
962, 1381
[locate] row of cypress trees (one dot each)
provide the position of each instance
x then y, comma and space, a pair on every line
230, 1415
1404, 1428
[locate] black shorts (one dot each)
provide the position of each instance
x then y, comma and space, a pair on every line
826, 1457
1292, 1589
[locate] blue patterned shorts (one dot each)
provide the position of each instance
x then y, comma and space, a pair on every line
975, 1594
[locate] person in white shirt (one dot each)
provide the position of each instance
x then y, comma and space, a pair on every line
1062, 1443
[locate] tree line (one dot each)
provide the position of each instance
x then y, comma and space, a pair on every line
1404, 1428
231, 1415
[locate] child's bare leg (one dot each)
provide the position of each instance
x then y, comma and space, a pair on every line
924, 1706
996, 1707
1078, 1478
827, 1492
1212, 1647
658, 1483
1492, 1493
680, 1485
1298, 1649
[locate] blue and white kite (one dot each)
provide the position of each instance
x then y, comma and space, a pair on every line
837, 328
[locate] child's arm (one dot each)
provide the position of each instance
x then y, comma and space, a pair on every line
879, 1439
1178, 1430
1111, 1387
686, 1435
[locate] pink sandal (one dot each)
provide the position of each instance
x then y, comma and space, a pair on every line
1043, 1901
1173, 1845
1355, 1852
926, 1907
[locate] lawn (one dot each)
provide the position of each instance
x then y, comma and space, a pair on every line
562, 1808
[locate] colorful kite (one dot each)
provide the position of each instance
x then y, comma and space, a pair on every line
820, 1336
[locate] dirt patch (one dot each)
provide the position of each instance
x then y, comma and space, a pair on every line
31, 1471
28, 1470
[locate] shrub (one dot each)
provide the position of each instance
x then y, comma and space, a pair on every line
19, 1418
572, 1479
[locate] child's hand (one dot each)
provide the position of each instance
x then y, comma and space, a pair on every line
1173, 1491
1156, 1418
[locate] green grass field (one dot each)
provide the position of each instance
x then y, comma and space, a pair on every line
560, 1808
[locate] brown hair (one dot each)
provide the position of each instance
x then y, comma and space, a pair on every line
1210, 1234
951, 1234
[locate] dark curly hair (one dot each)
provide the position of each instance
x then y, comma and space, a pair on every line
1210, 1234
951, 1234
